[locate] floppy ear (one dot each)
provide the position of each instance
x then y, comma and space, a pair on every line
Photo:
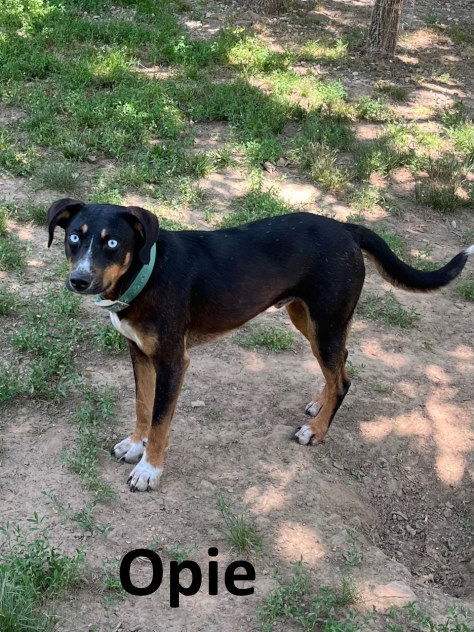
148, 226
60, 214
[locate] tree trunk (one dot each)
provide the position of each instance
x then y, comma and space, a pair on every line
268, 7
383, 29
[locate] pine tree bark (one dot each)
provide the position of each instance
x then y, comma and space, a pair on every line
383, 29
268, 7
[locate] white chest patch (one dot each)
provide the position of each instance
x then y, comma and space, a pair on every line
124, 327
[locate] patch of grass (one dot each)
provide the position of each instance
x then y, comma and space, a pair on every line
110, 340
97, 408
440, 197
386, 309
293, 604
27, 212
332, 131
49, 337
465, 290
19, 162
322, 51
10, 383
392, 90
460, 35
275, 339
375, 110
179, 554
322, 162
239, 530
12, 253
32, 570
380, 156
463, 136
256, 204
4, 215
365, 198
413, 618
62, 177
110, 585
83, 517
353, 556
8, 301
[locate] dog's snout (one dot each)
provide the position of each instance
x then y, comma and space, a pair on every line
80, 281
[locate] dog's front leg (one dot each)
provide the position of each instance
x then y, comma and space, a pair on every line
132, 448
170, 367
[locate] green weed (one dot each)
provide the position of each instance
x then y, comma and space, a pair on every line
392, 90
32, 570
239, 530
8, 301
465, 290
12, 253
179, 554
413, 618
374, 110
110, 585
386, 308
255, 205
275, 339
110, 340
59, 177
440, 197
293, 604
19, 162
97, 408
10, 383
322, 162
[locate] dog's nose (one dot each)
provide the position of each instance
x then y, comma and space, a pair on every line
80, 282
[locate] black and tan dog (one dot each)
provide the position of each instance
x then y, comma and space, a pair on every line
170, 290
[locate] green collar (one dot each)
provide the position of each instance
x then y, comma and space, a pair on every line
134, 290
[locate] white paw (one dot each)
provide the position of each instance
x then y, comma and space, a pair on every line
128, 450
304, 435
144, 476
312, 409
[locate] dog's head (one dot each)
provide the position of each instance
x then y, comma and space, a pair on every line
102, 241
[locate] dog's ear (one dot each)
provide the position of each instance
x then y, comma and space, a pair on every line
146, 223
60, 214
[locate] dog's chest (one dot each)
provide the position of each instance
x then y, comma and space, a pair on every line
124, 327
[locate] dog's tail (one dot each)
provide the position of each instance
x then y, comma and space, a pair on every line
398, 273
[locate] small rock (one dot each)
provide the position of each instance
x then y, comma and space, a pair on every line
395, 593
450, 545
269, 166
449, 505
282, 162
411, 530
337, 465
198, 403
447, 512
92, 159
454, 224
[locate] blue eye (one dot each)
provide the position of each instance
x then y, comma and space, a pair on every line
74, 239
112, 243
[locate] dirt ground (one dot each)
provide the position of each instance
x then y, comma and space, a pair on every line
395, 470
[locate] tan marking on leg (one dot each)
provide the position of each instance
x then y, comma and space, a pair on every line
146, 382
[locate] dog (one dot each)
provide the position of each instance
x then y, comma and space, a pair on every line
168, 291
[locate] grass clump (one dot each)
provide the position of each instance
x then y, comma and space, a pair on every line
411, 617
97, 407
386, 309
110, 340
8, 301
239, 530
31, 571
375, 110
293, 604
322, 51
60, 177
332, 131
275, 339
392, 90
256, 204
465, 290
440, 197
322, 163
12, 253
19, 162
10, 383
49, 337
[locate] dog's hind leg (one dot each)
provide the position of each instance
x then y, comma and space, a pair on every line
132, 448
328, 344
